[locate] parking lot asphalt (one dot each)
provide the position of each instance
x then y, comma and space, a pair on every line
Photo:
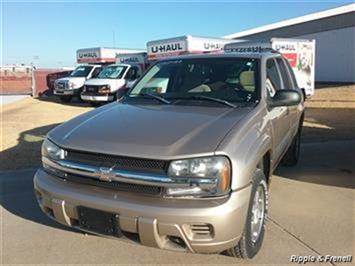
311, 213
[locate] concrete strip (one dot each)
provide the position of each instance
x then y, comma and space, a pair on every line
7, 99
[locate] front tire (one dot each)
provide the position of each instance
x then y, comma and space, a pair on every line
66, 99
254, 229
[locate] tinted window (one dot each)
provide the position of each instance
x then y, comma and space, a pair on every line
112, 72
285, 75
273, 80
81, 71
96, 72
132, 73
292, 74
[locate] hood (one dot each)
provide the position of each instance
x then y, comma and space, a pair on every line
115, 84
148, 131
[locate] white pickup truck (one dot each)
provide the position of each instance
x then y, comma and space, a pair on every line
68, 87
112, 78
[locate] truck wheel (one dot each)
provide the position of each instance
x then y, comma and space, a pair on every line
66, 99
254, 229
293, 153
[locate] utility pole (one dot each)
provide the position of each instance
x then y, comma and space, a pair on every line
113, 39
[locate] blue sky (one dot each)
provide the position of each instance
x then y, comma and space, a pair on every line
48, 34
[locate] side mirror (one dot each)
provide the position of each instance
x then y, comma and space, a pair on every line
286, 98
121, 92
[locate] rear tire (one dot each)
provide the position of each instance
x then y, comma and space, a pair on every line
66, 99
293, 153
254, 229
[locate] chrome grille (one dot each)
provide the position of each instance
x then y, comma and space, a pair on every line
92, 88
115, 185
121, 162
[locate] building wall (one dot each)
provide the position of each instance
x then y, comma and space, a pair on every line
335, 44
335, 55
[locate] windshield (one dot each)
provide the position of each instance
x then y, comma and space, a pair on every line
81, 71
112, 72
227, 79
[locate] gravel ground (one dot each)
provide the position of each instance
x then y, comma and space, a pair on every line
329, 116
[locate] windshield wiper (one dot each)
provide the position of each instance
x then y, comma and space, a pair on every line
212, 99
152, 96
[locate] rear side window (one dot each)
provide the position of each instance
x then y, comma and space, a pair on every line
292, 74
273, 80
287, 82
96, 72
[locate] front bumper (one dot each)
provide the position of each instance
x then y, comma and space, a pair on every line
66, 92
92, 97
155, 220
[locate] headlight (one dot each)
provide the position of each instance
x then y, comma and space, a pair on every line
71, 85
52, 151
207, 176
104, 89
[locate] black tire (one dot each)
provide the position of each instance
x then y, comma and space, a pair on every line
293, 153
246, 247
66, 99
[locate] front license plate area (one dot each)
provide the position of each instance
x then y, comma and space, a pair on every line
98, 221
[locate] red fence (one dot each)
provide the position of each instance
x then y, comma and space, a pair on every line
26, 80
16, 80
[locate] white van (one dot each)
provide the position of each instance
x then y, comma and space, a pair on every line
104, 87
300, 54
184, 45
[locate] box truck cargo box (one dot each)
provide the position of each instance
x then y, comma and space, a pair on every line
101, 55
300, 54
134, 59
184, 45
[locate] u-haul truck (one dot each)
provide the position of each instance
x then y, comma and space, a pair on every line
300, 54
184, 45
91, 62
112, 78
138, 60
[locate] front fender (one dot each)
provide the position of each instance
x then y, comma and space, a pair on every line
246, 145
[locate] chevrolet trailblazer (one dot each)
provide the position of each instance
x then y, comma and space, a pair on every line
183, 163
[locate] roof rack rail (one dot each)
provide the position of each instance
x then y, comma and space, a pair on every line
250, 49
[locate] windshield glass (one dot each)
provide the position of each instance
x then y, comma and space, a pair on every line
228, 79
81, 71
112, 72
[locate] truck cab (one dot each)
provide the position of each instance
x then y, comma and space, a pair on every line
104, 86
68, 87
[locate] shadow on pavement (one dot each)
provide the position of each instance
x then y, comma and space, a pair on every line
17, 197
55, 99
328, 163
16, 187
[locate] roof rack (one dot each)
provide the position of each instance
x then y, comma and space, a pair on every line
250, 49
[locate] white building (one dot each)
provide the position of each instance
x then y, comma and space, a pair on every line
334, 32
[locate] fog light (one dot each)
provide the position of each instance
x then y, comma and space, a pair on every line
183, 191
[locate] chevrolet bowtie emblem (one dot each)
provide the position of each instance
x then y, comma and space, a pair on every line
106, 173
